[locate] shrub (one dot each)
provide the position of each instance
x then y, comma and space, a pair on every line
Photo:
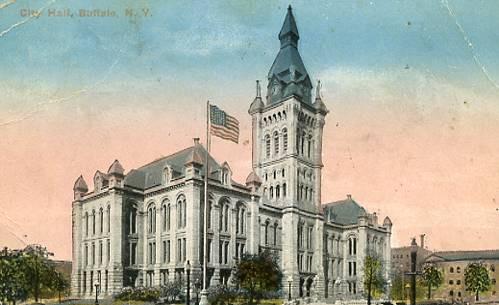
222, 295
138, 294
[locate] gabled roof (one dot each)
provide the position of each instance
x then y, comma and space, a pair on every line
464, 255
344, 212
151, 174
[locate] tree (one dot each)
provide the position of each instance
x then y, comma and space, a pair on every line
258, 274
59, 283
13, 284
431, 277
38, 269
373, 277
476, 279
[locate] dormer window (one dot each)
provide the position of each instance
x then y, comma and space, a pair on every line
225, 174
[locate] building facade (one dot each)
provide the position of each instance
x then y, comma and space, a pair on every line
140, 228
453, 264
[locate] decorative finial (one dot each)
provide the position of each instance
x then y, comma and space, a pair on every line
318, 90
258, 89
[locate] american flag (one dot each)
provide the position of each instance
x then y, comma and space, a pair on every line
223, 125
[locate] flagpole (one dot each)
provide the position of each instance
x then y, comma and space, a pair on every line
204, 292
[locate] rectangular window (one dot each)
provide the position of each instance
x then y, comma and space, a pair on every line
93, 254
209, 251
163, 248
226, 253
84, 281
184, 250
86, 255
168, 257
108, 250
220, 255
179, 250
101, 248
133, 254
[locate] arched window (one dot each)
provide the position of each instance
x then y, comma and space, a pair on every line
86, 223
298, 133
284, 190
226, 218
276, 143
267, 146
101, 220
283, 173
302, 142
240, 214
208, 212
165, 209
309, 146
151, 219
277, 191
132, 221
166, 175
108, 219
266, 232
306, 193
181, 212
271, 192
93, 222
284, 140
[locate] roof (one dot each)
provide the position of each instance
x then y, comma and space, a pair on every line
80, 184
253, 178
151, 174
344, 212
288, 69
116, 168
466, 255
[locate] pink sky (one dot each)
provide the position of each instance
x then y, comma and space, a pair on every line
428, 157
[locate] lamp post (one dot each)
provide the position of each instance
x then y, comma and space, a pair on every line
290, 280
187, 294
96, 292
414, 253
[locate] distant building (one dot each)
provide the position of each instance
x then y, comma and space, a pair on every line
140, 228
401, 257
453, 264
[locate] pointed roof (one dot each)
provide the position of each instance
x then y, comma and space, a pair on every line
257, 104
80, 185
289, 26
253, 179
194, 157
116, 168
387, 222
288, 69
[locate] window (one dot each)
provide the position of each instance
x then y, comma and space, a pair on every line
458, 269
493, 281
492, 268
451, 269
93, 222
298, 140
284, 190
284, 141
275, 234
226, 218
352, 246
166, 215
277, 191
151, 219
276, 143
108, 218
208, 258
266, 232
181, 212
458, 282
133, 254
101, 220
267, 146
100, 252
451, 293
209, 208
86, 255
108, 253
93, 254
309, 146
133, 221
451, 282
86, 223
271, 192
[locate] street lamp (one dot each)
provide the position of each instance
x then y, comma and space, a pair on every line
96, 292
414, 253
290, 280
187, 295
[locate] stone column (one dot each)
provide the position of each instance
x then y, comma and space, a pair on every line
116, 241
76, 247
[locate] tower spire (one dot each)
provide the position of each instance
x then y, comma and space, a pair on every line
258, 89
289, 31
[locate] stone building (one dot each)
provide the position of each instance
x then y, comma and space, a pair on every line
453, 265
140, 228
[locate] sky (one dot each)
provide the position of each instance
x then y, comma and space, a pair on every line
412, 88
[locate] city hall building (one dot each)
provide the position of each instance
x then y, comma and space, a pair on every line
139, 228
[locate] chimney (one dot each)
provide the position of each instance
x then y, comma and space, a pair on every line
422, 240
196, 141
